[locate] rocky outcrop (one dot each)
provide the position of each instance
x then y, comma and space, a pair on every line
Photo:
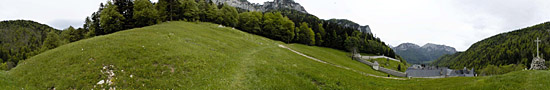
434, 47
406, 46
270, 5
351, 24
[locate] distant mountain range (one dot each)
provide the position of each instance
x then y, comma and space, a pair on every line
415, 54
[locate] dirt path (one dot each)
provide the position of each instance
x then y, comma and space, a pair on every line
321, 61
239, 78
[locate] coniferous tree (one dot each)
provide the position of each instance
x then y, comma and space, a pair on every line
126, 8
169, 9
93, 25
203, 10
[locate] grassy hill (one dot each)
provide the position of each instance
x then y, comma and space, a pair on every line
188, 55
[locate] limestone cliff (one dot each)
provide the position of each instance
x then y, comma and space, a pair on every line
270, 5
351, 24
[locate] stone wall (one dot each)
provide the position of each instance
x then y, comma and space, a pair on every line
392, 72
366, 62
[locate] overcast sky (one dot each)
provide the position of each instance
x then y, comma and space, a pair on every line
456, 23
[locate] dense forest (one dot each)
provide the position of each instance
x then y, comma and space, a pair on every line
515, 47
22, 39
286, 25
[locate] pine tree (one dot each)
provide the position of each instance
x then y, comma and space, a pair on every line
126, 8
203, 10
169, 9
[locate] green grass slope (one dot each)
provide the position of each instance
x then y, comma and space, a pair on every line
334, 56
184, 55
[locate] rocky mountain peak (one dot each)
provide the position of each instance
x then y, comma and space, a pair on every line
351, 24
434, 47
428, 52
406, 46
270, 5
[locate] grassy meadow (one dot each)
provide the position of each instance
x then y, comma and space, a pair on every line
197, 55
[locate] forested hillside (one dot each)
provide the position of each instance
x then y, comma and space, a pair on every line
334, 33
515, 47
21, 39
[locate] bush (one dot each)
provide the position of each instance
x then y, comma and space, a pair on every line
3, 66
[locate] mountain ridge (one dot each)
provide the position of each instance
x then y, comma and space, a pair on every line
416, 54
269, 5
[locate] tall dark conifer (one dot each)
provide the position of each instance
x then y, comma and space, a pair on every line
126, 8
169, 9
